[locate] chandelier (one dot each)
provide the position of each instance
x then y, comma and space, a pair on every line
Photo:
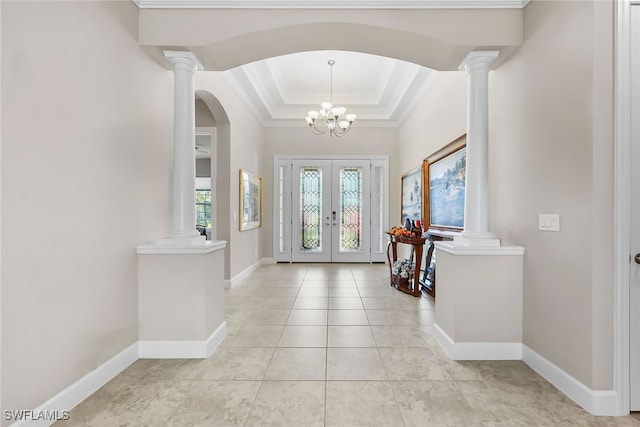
329, 117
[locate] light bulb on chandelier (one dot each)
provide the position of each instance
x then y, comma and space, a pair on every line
332, 119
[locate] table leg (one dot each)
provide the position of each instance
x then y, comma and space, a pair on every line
416, 272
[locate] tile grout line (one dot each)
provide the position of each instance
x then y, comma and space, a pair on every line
262, 382
326, 369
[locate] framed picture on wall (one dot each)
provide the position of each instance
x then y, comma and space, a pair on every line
411, 196
250, 201
444, 181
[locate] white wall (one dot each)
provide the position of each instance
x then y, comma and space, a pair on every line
550, 151
300, 141
86, 147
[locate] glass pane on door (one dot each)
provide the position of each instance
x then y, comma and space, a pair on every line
311, 209
350, 209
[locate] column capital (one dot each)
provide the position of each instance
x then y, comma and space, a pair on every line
186, 58
478, 57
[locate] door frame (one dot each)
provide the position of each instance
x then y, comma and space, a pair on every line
281, 160
634, 211
212, 131
622, 206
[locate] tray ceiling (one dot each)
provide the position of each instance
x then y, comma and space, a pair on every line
381, 91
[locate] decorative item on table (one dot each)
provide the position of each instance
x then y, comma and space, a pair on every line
403, 268
405, 232
411, 196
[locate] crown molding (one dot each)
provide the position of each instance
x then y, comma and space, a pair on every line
405, 88
331, 4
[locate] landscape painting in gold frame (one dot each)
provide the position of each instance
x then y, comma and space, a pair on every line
444, 181
250, 201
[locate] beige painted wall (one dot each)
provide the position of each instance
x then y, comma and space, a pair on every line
551, 151
300, 141
86, 147
204, 117
440, 118
245, 152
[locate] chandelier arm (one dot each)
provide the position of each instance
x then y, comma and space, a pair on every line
316, 131
339, 133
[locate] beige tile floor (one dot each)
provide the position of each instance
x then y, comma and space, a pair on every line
329, 345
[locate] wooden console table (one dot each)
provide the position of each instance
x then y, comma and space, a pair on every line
412, 285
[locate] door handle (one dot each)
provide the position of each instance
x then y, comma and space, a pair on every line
637, 258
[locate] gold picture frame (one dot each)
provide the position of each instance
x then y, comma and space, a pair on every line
250, 216
443, 186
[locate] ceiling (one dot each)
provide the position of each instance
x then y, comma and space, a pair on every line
381, 91
203, 146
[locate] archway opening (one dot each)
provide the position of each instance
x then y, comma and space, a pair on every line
210, 114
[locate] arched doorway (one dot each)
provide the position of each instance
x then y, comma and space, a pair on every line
211, 114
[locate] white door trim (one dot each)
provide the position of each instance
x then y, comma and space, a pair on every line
212, 131
283, 160
329, 157
622, 204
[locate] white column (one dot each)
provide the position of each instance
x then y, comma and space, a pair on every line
476, 210
183, 221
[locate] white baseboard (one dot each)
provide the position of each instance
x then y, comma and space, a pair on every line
215, 339
247, 271
477, 350
182, 349
71, 396
596, 402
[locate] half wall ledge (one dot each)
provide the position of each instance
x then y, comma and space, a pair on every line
197, 246
455, 249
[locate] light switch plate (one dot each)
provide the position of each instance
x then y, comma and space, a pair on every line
549, 222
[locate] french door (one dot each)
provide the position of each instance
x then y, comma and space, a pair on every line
333, 214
